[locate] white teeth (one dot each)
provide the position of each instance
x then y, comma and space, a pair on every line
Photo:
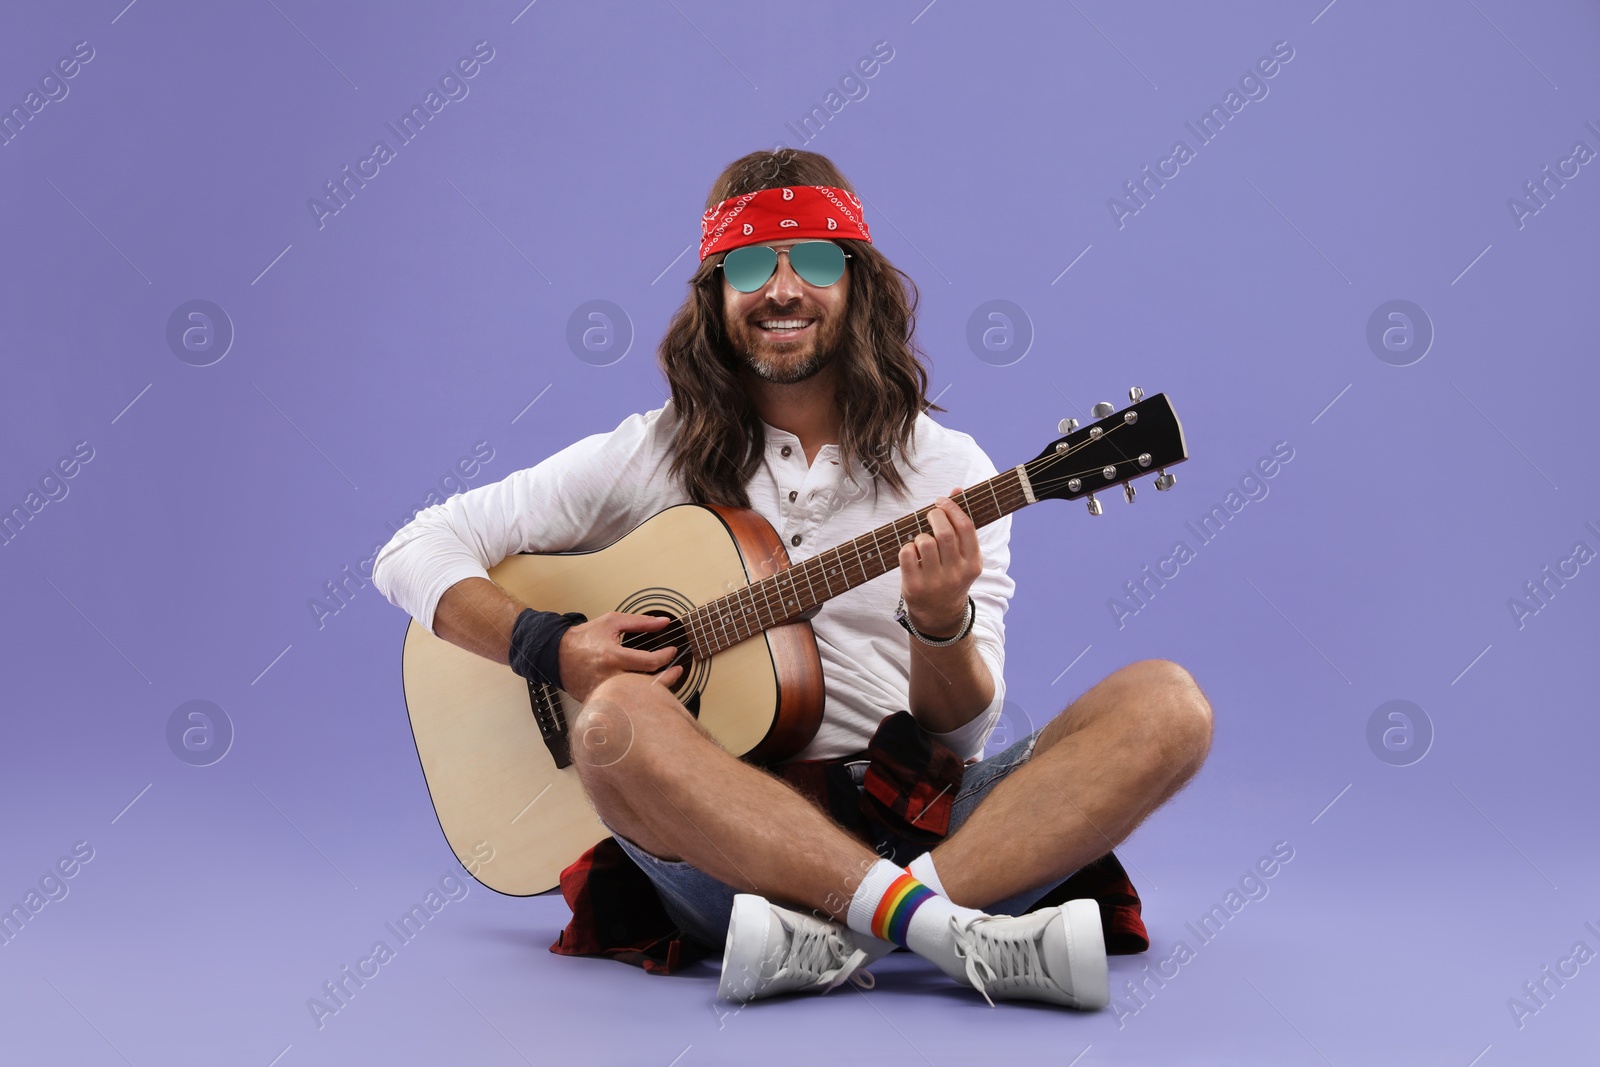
784, 324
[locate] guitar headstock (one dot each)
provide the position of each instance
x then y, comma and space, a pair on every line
1143, 438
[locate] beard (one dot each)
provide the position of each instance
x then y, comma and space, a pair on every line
784, 362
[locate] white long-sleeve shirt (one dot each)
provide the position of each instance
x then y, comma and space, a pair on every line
596, 490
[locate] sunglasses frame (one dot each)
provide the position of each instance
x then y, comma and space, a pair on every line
782, 252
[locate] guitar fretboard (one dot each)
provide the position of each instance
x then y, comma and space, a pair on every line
795, 590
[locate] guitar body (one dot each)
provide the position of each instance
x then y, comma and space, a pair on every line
514, 818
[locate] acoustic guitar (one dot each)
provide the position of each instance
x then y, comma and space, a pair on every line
494, 747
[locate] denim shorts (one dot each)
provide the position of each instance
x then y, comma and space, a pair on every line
700, 905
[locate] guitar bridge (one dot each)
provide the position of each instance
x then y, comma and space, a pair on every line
547, 712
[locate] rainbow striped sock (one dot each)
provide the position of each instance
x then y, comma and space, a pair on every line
892, 918
885, 901
893, 905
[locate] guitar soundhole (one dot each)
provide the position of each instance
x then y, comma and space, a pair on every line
669, 604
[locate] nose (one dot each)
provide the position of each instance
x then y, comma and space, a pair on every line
784, 285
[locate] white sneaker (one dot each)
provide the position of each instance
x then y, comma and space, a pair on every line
1055, 954
774, 950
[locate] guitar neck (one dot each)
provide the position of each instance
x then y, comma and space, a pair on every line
795, 590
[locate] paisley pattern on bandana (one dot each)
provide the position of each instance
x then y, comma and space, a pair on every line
784, 214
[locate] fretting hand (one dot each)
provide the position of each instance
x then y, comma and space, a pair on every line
937, 569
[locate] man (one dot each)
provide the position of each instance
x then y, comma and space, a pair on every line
798, 391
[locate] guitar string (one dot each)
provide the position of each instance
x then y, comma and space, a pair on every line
699, 621
768, 587
1014, 495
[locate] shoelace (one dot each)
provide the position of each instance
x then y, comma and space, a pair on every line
997, 958
816, 950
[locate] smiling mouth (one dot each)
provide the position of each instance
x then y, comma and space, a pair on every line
784, 327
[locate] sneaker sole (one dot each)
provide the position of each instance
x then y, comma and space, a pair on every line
741, 963
1086, 968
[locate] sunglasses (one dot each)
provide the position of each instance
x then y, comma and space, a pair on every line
817, 262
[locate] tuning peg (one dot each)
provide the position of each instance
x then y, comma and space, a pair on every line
1135, 394
1094, 506
1066, 425
1128, 491
1164, 481
1104, 408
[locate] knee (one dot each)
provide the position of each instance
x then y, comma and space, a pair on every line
616, 732
1172, 707
625, 689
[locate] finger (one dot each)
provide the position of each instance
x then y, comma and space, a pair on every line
958, 514
928, 549
964, 549
630, 622
669, 676
910, 571
967, 538
944, 529
638, 659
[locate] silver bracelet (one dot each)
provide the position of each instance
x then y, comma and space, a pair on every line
904, 619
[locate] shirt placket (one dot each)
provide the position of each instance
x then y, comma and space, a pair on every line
809, 496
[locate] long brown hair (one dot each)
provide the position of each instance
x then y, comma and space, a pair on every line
883, 383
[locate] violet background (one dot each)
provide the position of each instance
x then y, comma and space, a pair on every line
373, 353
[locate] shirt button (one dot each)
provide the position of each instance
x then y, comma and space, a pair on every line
784, 451
795, 540
793, 494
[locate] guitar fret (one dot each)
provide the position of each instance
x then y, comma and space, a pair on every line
780, 597
687, 621
751, 618
823, 559
774, 598
805, 568
770, 598
696, 634
763, 602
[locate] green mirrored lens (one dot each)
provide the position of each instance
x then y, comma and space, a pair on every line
818, 262
748, 268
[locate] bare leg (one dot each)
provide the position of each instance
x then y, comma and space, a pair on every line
1099, 768
656, 777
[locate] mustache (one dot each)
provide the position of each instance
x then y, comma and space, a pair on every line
771, 312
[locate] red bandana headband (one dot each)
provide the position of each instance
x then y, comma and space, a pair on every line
781, 215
